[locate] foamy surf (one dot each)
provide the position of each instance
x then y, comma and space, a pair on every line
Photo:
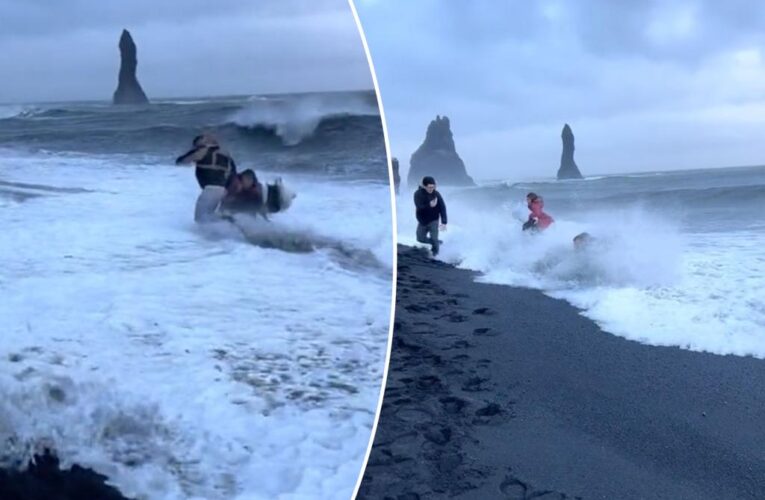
678, 258
182, 365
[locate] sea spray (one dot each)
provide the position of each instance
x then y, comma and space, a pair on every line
296, 118
676, 257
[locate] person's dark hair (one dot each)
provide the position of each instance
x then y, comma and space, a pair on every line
248, 173
582, 236
532, 196
428, 180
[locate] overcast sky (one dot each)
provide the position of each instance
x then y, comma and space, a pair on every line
68, 50
645, 85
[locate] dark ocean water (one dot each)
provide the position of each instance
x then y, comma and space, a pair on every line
722, 199
337, 133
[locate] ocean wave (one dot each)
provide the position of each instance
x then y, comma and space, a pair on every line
724, 196
291, 119
17, 111
298, 118
338, 134
647, 190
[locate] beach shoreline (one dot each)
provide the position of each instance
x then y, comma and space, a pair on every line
497, 391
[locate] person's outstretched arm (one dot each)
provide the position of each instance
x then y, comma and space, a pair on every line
190, 156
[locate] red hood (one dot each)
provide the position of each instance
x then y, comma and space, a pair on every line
537, 206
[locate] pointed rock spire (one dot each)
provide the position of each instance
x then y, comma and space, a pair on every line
128, 91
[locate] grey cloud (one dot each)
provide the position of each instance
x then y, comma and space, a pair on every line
524, 68
68, 50
44, 17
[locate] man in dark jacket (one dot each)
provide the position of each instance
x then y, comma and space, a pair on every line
430, 208
215, 169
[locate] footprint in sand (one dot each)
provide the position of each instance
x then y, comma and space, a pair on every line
453, 404
475, 384
428, 381
455, 317
516, 489
398, 343
484, 311
489, 410
416, 308
438, 435
408, 496
462, 344
448, 462
485, 332
413, 415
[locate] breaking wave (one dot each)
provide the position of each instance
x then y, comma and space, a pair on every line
296, 119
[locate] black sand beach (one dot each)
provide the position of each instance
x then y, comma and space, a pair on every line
45, 480
501, 392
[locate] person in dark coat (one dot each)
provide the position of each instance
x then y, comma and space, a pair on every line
430, 213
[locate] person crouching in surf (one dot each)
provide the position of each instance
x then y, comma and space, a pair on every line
215, 169
244, 192
538, 219
430, 207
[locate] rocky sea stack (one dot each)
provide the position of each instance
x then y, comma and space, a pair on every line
396, 175
128, 91
568, 168
437, 156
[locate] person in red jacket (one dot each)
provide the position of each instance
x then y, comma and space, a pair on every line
538, 219
244, 192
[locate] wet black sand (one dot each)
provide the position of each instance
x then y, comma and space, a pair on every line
501, 392
45, 480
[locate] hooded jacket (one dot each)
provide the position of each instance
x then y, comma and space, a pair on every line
538, 218
424, 212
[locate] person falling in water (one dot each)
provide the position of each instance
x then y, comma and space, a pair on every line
430, 208
215, 170
538, 219
244, 192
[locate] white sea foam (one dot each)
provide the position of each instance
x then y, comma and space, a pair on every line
644, 278
181, 363
13, 110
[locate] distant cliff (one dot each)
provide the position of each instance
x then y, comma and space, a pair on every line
568, 168
437, 156
128, 91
